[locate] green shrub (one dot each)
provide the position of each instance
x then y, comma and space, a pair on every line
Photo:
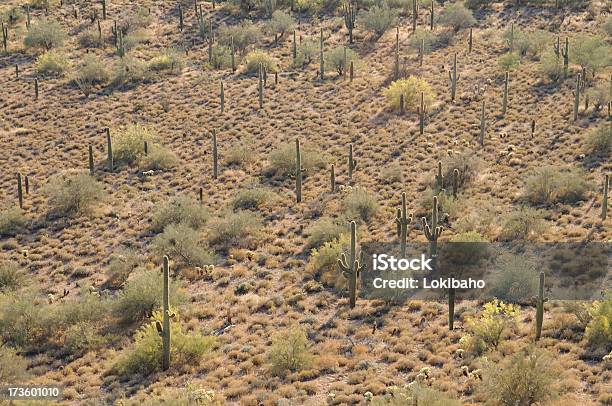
551, 66
142, 295
71, 193
522, 380
516, 279
234, 229
598, 331
456, 16
414, 394
22, 319
13, 367
244, 34
591, 53
240, 154
599, 141
135, 38
523, 224
145, 356
290, 351
323, 263
221, 57
599, 94
52, 63
508, 61
169, 61
550, 184
487, 331
468, 164
10, 276
361, 203
159, 158
258, 57
340, 58
411, 88
135, 21
323, 230
307, 51
90, 73
128, 148
183, 244
42, 4
253, 199
191, 395
425, 35
607, 26
12, 15
130, 71
280, 23
91, 39
120, 268
12, 222
46, 34
378, 19
179, 210
476, 4
282, 160
82, 337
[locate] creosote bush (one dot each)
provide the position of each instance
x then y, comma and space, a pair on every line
145, 356
258, 57
13, 367
280, 23
254, 199
290, 351
598, 331
282, 160
378, 19
307, 52
599, 141
120, 268
169, 61
179, 210
323, 263
340, 58
52, 63
411, 88
323, 230
516, 280
72, 192
221, 57
45, 34
10, 276
551, 67
244, 34
360, 203
456, 16
523, 224
128, 148
487, 331
90, 73
12, 221
130, 71
550, 185
90, 38
508, 61
234, 229
183, 244
414, 394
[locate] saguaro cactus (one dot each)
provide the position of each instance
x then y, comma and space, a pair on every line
222, 97
451, 308
350, 17
452, 75
455, 182
233, 54
540, 308
166, 315
483, 124
109, 149
432, 232
565, 53
333, 178
415, 14
90, 160
36, 89
431, 16
396, 66
27, 184
180, 15
215, 154
422, 114
351, 267
19, 190
294, 49
470, 39
351, 72
298, 171
402, 219
5, 37
439, 178
260, 85
421, 51
577, 96
604, 202
211, 40
533, 128
505, 96
321, 59
104, 9
352, 163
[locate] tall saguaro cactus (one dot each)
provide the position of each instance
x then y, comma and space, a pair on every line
415, 14
453, 76
431, 16
5, 37
294, 49
350, 17
109, 149
422, 114
260, 85
432, 231
439, 178
90, 160
505, 96
181, 18
351, 267
604, 202
396, 66
577, 96
540, 307
333, 178
298, 171
104, 9
483, 123
20, 190
222, 96
455, 182
321, 58
166, 315
352, 163
402, 219
215, 154
470, 41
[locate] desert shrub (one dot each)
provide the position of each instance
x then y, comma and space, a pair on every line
508, 61
12, 15
129, 71
476, 4
456, 16
42, 4
142, 294
282, 160
516, 279
340, 58
607, 26
307, 51
392, 173
521, 380
487, 331
290, 351
120, 268
323, 230
145, 356
536, 42
598, 331
481, 218
599, 94
21, 319
522, 224
128, 148
134, 21
414, 394
191, 395
550, 184
179, 210
12, 221
13, 367
91, 39
221, 57
183, 244
159, 158
244, 34
591, 53
258, 57
52, 63
411, 88
91, 72
234, 229
323, 263
46, 34
241, 154
360, 203
551, 66
598, 141
10, 276
378, 19
280, 23
82, 337
73, 193
468, 164
169, 61
135, 38
253, 199
422, 34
